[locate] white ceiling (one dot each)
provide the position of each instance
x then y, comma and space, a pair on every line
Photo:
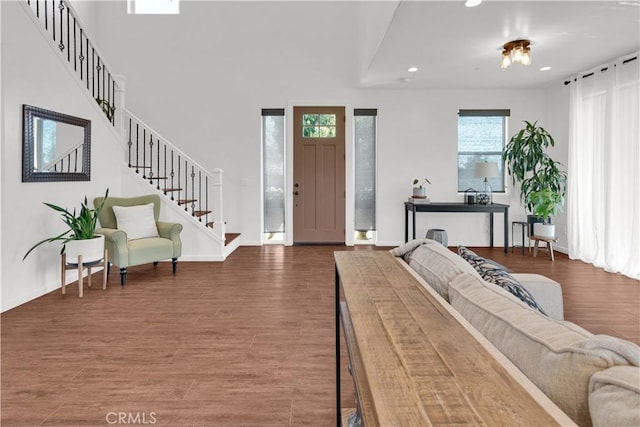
458, 47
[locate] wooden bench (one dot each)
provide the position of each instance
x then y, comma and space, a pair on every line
549, 240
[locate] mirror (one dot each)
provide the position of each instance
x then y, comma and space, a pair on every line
55, 146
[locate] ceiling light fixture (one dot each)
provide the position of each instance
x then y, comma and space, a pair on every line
516, 52
472, 3
547, 68
412, 69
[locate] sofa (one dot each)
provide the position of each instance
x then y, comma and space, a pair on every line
594, 379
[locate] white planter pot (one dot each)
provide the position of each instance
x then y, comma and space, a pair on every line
91, 250
419, 192
544, 230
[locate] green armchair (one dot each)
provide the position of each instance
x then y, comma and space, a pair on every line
142, 247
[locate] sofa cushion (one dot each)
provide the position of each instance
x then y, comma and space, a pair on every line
437, 265
493, 273
557, 356
137, 221
614, 397
547, 293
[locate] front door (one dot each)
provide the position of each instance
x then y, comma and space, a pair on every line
318, 175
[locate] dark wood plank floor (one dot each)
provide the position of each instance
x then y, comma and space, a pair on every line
247, 342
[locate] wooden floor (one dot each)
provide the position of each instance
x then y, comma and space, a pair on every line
247, 342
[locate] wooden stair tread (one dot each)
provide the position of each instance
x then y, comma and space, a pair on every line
185, 201
200, 213
170, 190
140, 166
230, 237
157, 177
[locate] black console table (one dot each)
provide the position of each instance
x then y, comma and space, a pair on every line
457, 207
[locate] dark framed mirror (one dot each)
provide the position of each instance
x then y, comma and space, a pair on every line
55, 146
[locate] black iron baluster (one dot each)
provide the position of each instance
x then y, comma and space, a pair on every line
172, 187
206, 199
193, 187
137, 149
38, 8
69, 162
98, 69
61, 8
166, 182
87, 62
53, 19
68, 38
179, 188
93, 71
129, 143
158, 170
151, 159
113, 102
75, 47
186, 185
144, 153
81, 58
200, 194
46, 16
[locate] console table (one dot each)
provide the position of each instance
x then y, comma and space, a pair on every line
458, 207
415, 361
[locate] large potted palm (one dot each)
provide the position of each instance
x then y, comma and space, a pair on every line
80, 237
542, 182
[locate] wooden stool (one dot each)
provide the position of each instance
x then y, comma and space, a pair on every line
80, 266
549, 240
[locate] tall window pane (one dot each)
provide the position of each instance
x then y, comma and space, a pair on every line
365, 174
481, 138
273, 167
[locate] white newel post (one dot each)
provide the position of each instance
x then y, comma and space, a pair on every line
120, 115
218, 216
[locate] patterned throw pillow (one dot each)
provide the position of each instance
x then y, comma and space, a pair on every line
492, 273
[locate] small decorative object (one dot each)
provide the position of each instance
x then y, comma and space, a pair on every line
470, 196
486, 170
439, 235
81, 229
419, 191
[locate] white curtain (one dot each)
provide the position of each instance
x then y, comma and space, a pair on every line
603, 198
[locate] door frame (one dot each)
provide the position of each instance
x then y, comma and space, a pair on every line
348, 166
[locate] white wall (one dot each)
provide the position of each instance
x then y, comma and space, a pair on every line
417, 137
33, 74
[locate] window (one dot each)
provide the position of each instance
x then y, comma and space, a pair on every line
273, 173
365, 174
318, 125
481, 137
153, 7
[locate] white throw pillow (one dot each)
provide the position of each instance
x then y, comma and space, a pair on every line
137, 221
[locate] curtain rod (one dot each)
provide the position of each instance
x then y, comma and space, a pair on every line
602, 70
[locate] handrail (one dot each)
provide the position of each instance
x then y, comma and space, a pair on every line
173, 172
62, 24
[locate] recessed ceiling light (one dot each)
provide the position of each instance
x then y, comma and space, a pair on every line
412, 69
545, 68
472, 3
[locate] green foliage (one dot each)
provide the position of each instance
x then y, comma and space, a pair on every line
529, 164
108, 109
546, 202
425, 182
80, 227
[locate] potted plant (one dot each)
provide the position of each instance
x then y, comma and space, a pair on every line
546, 202
419, 191
530, 165
79, 238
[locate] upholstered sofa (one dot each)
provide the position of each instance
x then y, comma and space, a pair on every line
594, 379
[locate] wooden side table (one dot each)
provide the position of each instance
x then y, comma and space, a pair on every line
549, 240
80, 266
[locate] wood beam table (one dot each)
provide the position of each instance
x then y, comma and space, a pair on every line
490, 208
415, 361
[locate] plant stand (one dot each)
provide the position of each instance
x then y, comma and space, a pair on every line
80, 267
549, 240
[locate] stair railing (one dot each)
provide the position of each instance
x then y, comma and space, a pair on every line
62, 24
172, 172
68, 161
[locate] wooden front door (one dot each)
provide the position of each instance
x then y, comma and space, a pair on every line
318, 175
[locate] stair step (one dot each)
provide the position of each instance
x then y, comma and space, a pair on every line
140, 166
156, 177
201, 213
230, 237
210, 224
171, 190
185, 201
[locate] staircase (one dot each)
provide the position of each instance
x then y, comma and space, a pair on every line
184, 184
